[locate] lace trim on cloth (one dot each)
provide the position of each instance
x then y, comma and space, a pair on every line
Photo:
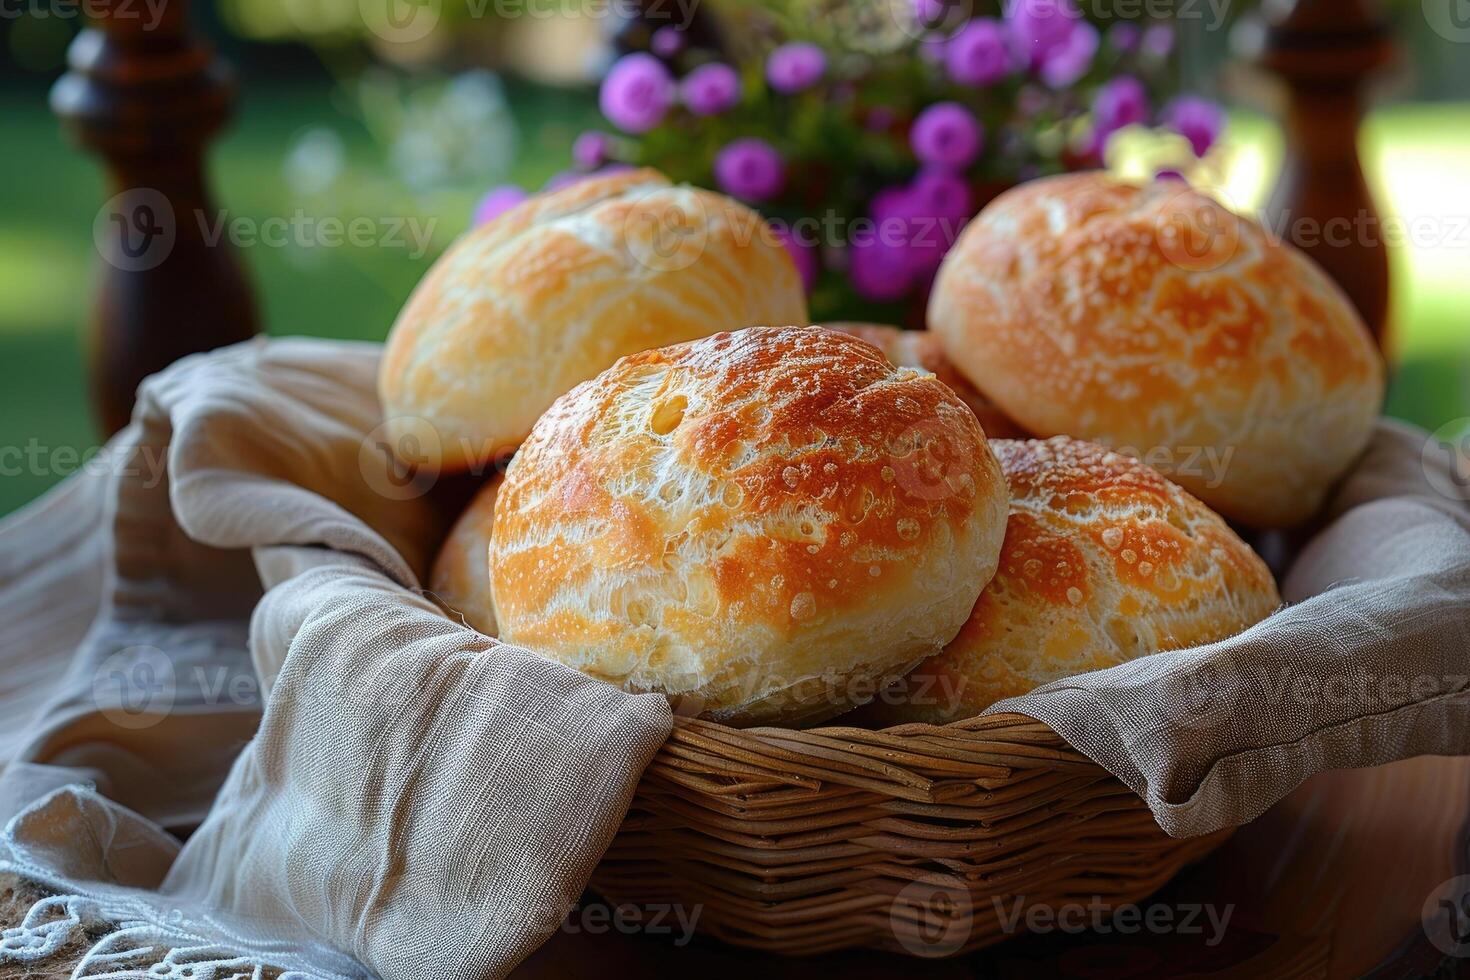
108, 923
63, 929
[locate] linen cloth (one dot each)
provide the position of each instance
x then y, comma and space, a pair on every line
418, 800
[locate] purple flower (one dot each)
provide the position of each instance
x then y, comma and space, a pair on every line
801, 254
1158, 40
880, 271
1124, 35
750, 168
710, 89
667, 41
929, 12
1064, 65
636, 92
1039, 27
922, 219
495, 203
1122, 101
979, 53
940, 194
1197, 120
591, 149
947, 135
794, 67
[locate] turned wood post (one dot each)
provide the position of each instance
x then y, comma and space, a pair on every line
147, 95
1325, 53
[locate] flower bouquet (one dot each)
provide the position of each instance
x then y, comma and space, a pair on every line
869, 134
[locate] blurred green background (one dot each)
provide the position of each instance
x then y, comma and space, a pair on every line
322, 130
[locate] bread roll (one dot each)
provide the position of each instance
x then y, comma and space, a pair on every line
460, 578
921, 349
523, 308
1104, 561
763, 524
1155, 321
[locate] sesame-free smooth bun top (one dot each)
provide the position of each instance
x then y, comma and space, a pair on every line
543, 297
761, 524
1104, 561
460, 578
921, 349
1158, 322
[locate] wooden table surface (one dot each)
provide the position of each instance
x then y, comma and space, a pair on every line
1332, 882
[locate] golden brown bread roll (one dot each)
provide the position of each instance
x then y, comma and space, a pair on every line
461, 574
921, 349
1104, 561
523, 308
763, 522
1155, 321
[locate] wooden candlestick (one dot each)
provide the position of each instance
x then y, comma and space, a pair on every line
147, 95
1325, 53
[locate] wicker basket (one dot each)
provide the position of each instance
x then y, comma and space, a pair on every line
917, 839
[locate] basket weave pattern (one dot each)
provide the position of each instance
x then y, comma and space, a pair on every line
917, 839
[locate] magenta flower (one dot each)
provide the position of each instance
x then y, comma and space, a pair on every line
496, 202
803, 255
880, 272
750, 168
1122, 101
947, 135
794, 67
636, 93
1064, 65
1158, 41
1124, 35
591, 149
941, 194
710, 89
1197, 120
929, 12
979, 53
667, 42
1040, 27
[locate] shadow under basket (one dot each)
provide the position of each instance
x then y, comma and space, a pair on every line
917, 839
